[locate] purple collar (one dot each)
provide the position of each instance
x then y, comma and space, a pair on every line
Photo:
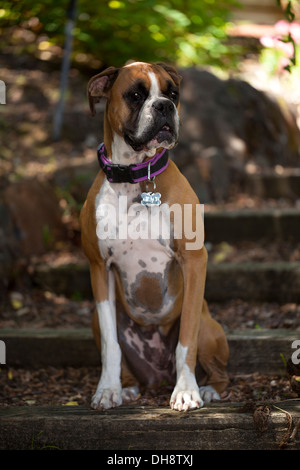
132, 173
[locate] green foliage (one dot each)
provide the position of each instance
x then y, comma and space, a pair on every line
288, 10
290, 17
282, 51
185, 32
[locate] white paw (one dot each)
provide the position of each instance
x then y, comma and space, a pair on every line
208, 394
130, 393
106, 398
185, 400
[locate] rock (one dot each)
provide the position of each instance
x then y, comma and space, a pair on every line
33, 220
227, 124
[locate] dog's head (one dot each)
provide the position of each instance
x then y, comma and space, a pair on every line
142, 103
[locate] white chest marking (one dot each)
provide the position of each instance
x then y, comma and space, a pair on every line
125, 240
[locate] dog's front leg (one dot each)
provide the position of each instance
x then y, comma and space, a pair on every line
109, 390
186, 392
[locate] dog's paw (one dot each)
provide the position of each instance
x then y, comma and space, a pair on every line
106, 398
185, 400
208, 394
130, 393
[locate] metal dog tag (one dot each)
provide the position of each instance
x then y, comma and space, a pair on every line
150, 199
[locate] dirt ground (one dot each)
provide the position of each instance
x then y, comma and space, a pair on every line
76, 386
39, 309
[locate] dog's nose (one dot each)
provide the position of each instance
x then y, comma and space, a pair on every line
163, 106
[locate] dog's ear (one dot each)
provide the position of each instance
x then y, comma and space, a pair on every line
100, 85
171, 71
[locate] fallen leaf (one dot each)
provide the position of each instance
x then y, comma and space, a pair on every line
223, 250
16, 300
23, 311
73, 398
16, 304
71, 403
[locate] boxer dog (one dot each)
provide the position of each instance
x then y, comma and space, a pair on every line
151, 322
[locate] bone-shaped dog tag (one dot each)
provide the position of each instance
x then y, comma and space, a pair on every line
150, 199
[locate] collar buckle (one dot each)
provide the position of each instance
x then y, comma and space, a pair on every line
119, 173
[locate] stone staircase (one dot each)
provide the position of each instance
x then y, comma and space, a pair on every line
218, 426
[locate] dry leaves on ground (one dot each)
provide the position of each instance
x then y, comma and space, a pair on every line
62, 386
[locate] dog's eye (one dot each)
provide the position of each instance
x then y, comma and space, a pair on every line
136, 94
136, 97
174, 95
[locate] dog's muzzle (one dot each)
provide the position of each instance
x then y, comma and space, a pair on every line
161, 127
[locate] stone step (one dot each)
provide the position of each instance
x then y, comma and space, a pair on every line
258, 350
252, 225
256, 281
276, 281
139, 428
271, 184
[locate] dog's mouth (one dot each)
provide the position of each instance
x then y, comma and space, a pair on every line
164, 136
164, 133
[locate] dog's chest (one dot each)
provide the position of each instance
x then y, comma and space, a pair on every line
137, 240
